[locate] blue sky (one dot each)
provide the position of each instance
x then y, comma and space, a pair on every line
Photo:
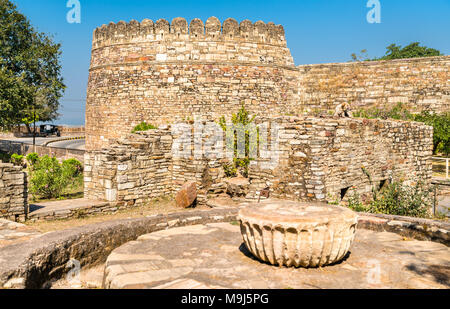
317, 31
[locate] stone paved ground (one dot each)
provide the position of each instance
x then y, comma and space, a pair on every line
213, 256
65, 208
12, 232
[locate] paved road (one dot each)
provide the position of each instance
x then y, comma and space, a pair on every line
70, 144
29, 140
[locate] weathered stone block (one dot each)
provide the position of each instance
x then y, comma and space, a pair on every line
187, 195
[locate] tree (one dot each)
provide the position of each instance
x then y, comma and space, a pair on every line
441, 132
30, 72
413, 50
361, 57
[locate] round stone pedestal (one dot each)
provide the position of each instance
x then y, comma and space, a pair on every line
288, 233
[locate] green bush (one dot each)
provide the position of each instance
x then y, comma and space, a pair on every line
230, 170
354, 202
49, 178
143, 126
5, 157
73, 167
441, 128
397, 199
402, 200
398, 112
32, 159
17, 159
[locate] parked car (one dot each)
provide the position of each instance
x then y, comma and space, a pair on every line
47, 130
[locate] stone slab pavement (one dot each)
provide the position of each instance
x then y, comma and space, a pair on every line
63, 209
12, 232
214, 256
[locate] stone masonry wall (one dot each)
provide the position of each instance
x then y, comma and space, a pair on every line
319, 157
421, 83
163, 73
131, 172
316, 159
13, 192
141, 167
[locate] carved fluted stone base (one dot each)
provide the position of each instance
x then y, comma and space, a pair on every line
287, 233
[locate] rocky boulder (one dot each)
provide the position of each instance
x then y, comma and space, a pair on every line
187, 195
237, 187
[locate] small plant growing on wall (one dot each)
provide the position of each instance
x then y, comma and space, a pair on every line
242, 128
143, 126
32, 159
17, 159
230, 170
397, 198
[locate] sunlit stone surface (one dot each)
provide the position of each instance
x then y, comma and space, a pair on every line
287, 233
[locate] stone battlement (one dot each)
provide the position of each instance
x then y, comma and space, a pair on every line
164, 73
212, 30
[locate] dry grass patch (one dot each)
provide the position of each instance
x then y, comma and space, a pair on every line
164, 205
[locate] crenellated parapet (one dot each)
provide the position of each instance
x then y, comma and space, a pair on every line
179, 29
161, 72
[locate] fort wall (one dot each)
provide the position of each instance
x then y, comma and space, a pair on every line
317, 159
164, 73
420, 83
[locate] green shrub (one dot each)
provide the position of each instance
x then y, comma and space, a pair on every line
230, 170
73, 167
5, 157
397, 199
441, 130
402, 200
242, 165
143, 126
398, 112
47, 178
50, 179
32, 159
17, 159
354, 202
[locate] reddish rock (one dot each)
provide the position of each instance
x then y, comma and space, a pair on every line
187, 195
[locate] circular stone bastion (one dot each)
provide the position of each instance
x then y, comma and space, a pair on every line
288, 233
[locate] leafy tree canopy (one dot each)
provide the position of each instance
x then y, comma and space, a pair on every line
393, 51
30, 72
